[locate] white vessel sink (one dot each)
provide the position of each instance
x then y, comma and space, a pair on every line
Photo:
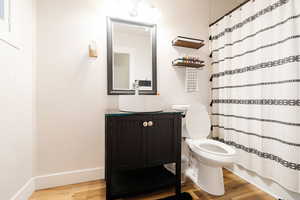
140, 103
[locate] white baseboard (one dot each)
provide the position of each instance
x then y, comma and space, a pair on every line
26, 191
69, 177
58, 179
253, 183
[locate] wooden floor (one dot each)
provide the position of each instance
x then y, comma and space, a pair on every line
236, 189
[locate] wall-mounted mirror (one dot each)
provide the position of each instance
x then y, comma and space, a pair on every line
131, 56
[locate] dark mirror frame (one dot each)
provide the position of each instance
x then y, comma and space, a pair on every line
110, 89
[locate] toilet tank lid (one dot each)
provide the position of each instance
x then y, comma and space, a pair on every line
181, 107
197, 122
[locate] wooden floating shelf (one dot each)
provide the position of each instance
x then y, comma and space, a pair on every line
188, 42
192, 65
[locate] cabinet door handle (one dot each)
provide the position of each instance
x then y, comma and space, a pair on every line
145, 124
150, 123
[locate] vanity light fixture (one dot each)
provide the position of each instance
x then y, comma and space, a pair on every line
135, 10
143, 9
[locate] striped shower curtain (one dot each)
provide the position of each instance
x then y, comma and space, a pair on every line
256, 88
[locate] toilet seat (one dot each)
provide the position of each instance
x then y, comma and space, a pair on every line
212, 147
211, 156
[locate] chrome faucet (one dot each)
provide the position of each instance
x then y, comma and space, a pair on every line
136, 87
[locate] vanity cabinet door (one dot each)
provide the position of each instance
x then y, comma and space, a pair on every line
127, 142
161, 139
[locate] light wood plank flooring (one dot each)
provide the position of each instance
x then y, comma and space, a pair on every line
236, 189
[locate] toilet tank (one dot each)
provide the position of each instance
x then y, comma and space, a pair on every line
196, 123
183, 109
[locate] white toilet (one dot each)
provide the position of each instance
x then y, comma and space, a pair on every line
206, 156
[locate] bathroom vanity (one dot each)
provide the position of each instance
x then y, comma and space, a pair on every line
137, 145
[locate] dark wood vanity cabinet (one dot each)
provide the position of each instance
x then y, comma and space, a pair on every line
161, 140
125, 142
136, 148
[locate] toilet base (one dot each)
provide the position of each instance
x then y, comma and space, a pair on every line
209, 179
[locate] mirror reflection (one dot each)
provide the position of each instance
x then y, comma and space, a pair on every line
2, 4
132, 56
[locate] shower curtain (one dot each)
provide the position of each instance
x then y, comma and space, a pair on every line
256, 88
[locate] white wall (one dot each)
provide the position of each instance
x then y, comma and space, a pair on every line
17, 103
221, 7
71, 87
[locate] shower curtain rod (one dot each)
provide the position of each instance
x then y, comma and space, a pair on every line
229, 13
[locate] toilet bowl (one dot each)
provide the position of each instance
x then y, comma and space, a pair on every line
210, 156
206, 156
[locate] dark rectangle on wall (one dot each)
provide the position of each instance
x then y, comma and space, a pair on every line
145, 83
